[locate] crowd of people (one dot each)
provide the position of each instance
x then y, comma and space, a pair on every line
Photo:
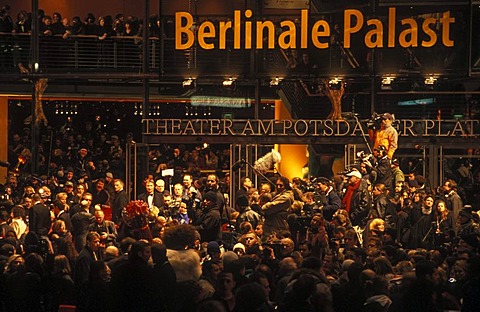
56, 24
371, 239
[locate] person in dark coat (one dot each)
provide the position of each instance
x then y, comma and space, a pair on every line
382, 207
133, 284
105, 228
100, 195
165, 277
208, 222
4, 227
422, 231
154, 199
82, 221
61, 214
39, 217
88, 255
356, 200
119, 202
331, 202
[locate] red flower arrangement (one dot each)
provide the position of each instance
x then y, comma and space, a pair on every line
135, 213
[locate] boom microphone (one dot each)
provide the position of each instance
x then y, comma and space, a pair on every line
265, 163
238, 164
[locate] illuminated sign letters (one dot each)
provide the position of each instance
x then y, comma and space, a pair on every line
377, 33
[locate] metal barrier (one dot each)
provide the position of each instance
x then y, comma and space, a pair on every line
124, 53
78, 52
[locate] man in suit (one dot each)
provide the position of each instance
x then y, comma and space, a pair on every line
39, 217
153, 199
87, 256
120, 200
81, 222
100, 195
61, 214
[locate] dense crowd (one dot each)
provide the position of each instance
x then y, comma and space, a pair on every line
103, 26
372, 239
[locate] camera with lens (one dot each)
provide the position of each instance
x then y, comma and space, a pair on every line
375, 122
364, 157
303, 222
196, 203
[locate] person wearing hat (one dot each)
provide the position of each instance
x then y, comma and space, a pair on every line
208, 220
331, 202
356, 200
109, 187
239, 249
386, 135
68, 189
466, 226
246, 213
382, 168
397, 173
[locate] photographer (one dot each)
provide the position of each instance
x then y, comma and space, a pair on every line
381, 171
330, 202
357, 201
384, 133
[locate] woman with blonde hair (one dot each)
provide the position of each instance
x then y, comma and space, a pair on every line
62, 241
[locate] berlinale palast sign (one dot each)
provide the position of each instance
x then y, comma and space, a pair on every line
246, 32
306, 128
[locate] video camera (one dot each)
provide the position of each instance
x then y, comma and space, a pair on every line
375, 122
364, 157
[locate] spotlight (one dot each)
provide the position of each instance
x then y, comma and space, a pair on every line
275, 81
228, 82
189, 83
387, 82
430, 80
335, 83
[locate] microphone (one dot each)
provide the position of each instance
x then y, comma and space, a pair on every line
237, 165
4, 163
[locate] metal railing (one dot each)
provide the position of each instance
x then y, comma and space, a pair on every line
78, 52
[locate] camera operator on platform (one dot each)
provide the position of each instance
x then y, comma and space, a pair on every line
384, 134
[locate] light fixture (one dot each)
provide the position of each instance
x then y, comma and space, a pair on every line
228, 82
335, 83
430, 80
387, 82
189, 82
275, 81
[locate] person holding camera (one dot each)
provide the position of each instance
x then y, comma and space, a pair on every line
384, 134
381, 171
105, 228
330, 201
